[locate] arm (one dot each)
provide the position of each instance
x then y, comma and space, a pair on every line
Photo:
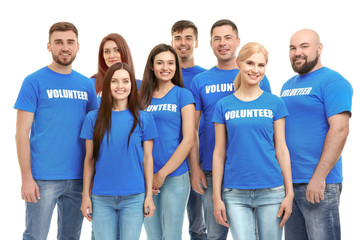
218, 173
283, 157
183, 150
149, 206
89, 170
333, 145
29, 189
197, 175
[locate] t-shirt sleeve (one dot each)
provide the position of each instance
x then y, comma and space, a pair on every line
265, 84
194, 87
87, 129
28, 96
281, 110
337, 97
148, 126
218, 116
185, 98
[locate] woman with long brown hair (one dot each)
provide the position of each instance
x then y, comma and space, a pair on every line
119, 140
172, 106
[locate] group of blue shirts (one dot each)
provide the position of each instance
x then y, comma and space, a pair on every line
61, 101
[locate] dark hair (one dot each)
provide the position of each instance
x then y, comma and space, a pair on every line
103, 121
63, 27
223, 22
102, 67
183, 24
149, 82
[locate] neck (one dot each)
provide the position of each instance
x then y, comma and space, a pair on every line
317, 66
187, 63
120, 105
60, 68
226, 65
163, 88
248, 93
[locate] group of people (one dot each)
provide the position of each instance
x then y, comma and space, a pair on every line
124, 152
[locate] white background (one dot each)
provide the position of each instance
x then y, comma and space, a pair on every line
24, 35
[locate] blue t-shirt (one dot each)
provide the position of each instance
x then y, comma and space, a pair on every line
188, 76
311, 99
138, 83
60, 103
119, 168
208, 88
250, 152
167, 115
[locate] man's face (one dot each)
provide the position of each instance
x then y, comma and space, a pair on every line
224, 43
63, 47
304, 52
184, 43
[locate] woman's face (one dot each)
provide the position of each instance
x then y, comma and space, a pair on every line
111, 53
120, 85
252, 69
164, 66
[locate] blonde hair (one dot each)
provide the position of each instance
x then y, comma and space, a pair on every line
245, 52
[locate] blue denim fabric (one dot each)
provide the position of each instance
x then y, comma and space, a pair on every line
246, 209
117, 217
319, 221
66, 194
197, 229
167, 221
215, 231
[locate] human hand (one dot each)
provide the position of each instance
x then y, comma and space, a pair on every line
149, 207
196, 178
86, 207
315, 190
220, 213
29, 190
285, 209
158, 179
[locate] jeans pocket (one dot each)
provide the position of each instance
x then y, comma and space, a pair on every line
276, 189
226, 190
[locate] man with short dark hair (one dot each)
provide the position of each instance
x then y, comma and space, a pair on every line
51, 107
184, 41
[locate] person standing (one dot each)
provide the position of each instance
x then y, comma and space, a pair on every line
172, 106
319, 103
184, 41
208, 87
252, 186
51, 107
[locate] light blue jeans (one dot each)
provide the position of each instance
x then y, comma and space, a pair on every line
167, 221
246, 209
66, 194
215, 231
197, 229
117, 217
319, 221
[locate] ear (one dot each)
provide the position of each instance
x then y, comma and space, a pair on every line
238, 64
320, 48
196, 43
78, 47
48, 47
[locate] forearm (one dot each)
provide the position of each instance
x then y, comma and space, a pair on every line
285, 166
23, 152
148, 174
88, 176
217, 175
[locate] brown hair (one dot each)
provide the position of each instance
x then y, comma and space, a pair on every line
103, 121
149, 82
224, 22
102, 67
63, 27
183, 24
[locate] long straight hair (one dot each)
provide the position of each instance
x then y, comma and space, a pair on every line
103, 121
102, 67
149, 82
245, 52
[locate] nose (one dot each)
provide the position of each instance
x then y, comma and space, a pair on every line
182, 41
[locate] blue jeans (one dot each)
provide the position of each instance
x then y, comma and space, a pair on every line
215, 231
167, 221
66, 194
246, 209
319, 221
117, 217
197, 229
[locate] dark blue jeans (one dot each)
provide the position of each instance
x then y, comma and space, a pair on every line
319, 221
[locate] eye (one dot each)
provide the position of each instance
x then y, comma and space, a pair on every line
116, 50
216, 39
106, 51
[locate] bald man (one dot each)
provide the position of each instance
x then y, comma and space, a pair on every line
319, 104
